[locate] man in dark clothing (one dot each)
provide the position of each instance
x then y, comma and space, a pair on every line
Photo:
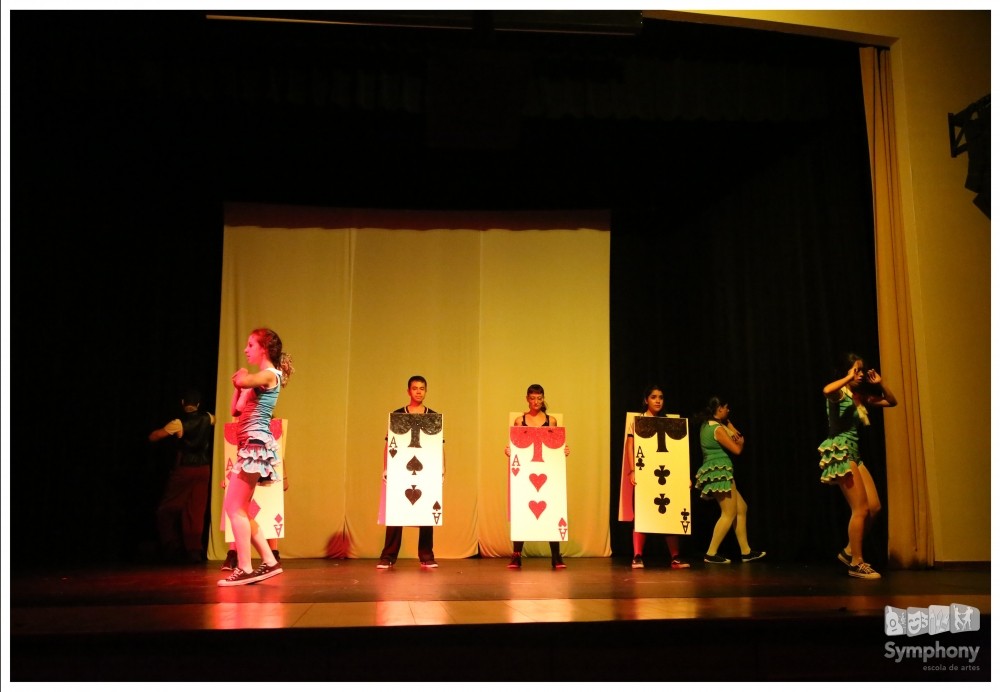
180, 517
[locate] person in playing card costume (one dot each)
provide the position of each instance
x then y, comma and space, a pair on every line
416, 387
848, 399
254, 397
720, 441
652, 400
536, 417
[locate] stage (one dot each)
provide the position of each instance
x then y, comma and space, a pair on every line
476, 620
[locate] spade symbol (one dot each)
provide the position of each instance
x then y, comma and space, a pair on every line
413, 494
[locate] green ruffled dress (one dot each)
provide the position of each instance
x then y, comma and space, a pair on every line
841, 448
715, 475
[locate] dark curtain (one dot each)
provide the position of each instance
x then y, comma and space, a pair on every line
733, 161
757, 280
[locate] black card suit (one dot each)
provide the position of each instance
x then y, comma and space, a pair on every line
675, 428
414, 423
413, 494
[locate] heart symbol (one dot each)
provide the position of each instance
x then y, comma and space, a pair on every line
537, 508
538, 480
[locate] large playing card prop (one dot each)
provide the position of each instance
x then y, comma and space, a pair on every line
536, 474
414, 464
662, 471
267, 506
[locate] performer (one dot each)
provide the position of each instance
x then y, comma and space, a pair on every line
848, 399
652, 401
181, 513
720, 440
536, 417
230, 562
416, 387
254, 397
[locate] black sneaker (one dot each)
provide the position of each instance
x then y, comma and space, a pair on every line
637, 562
716, 559
237, 578
515, 561
265, 571
844, 557
383, 564
863, 570
428, 564
678, 563
229, 564
557, 562
753, 555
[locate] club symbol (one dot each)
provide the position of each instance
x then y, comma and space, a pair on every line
661, 503
685, 519
414, 423
640, 459
675, 428
661, 474
522, 437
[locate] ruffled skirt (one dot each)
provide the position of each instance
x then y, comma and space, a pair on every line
835, 457
259, 456
714, 476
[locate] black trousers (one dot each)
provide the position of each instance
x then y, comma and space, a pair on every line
394, 539
553, 548
180, 517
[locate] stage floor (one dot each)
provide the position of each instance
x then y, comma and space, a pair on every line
757, 610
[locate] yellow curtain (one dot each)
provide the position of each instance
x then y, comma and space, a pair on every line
910, 538
481, 305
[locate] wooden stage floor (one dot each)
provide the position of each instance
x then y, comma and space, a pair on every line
475, 620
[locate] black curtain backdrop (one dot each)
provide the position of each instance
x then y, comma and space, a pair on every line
734, 163
752, 299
